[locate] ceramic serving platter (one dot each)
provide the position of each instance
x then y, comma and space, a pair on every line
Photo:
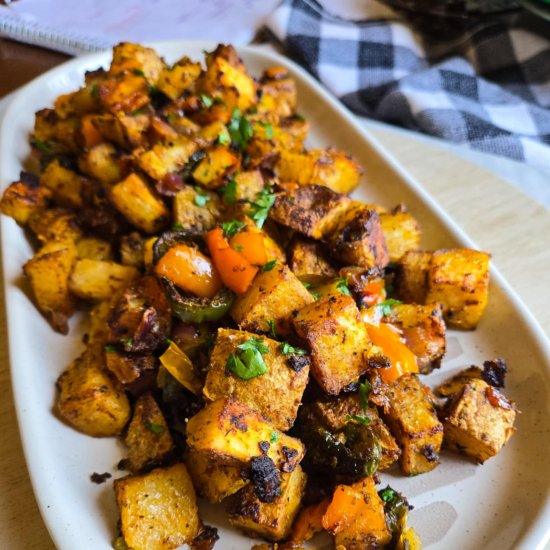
502, 505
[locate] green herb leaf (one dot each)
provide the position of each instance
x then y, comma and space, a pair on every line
287, 349
248, 365
178, 226
207, 101
271, 324
312, 290
358, 419
364, 390
299, 117
229, 191
45, 147
120, 544
388, 494
387, 305
238, 247
274, 437
240, 129
200, 198
94, 92
109, 348
155, 428
138, 72
259, 209
342, 286
269, 265
223, 138
127, 341
268, 129
254, 343
232, 228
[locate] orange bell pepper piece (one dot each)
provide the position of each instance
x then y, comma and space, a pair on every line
89, 133
402, 359
191, 270
345, 505
309, 521
251, 245
235, 270
374, 293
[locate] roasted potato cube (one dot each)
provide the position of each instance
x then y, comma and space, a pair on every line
124, 130
269, 520
132, 249
401, 232
128, 56
194, 210
80, 102
98, 280
414, 424
311, 210
124, 93
459, 279
48, 272
248, 184
174, 80
102, 163
276, 395
148, 439
158, 510
216, 166
130, 369
94, 249
55, 224
68, 187
309, 260
55, 135
478, 420
413, 275
331, 168
88, 399
163, 159
424, 331
24, 197
273, 296
230, 433
212, 480
134, 199
362, 525
278, 93
338, 340
356, 238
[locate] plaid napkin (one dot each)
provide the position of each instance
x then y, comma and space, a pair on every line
489, 88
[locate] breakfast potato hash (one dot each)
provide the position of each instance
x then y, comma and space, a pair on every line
258, 337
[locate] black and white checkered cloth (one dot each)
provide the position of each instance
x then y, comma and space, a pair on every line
490, 88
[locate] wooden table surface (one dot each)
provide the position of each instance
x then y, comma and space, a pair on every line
500, 219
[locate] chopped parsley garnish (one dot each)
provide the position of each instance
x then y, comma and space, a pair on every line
200, 198
232, 228
271, 324
274, 437
109, 348
229, 191
299, 117
138, 72
240, 129
238, 247
268, 129
120, 544
287, 349
312, 290
127, 341
178, 226
259, 209
387, 494
248, 362
269, 265
223, 138
207, 101
94, 92
155, 428
45, 147
358, 419
364, 390
387, 305
342, 286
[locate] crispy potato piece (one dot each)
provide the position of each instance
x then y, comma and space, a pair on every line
53, 134
414, 424
148, 440
401, 232
48, 272
102, 163
24, 197
212, 480
424, 331
278, 95
163, 159
331, 168
412, 276
88, 399
356, 238
94, 249
173, 81
126, 131
193, 212
276, 395
128, 56
270, 520
311, 210
68, 188
124, 93
219, 163
98, 280
478, 420
55, 224
158, 510
132, 249
229, 432
459, 279
338, 340
80, 102
248, 184
309, 260
273, 296
135, 200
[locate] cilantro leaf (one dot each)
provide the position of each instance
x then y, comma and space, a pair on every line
45, 147
109, 348
238, 247
200, 198
138, 72
358, 419
342, 286
94, 91
207, 101
287, 349
364, 390
312, 290
271, 324
387, 494
259, 209
268, 129
269, 265
155, 428
254, 344
231, 228
223, 138
299, 117
177, 226
229, 191
247, 365
387, 305
274, 437
240, 129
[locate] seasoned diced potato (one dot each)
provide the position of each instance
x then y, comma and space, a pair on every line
270, 520
459, 279
216, 166
68, 187
331, 168
194, 210
276, 395
98, 280
24, 197
478, 420
148, 439
338, 340
54, 224
88, 399
413, 421
311, 210
401, 232
278, 93
139, 205
230, 433
48, 272
424, 331
356, 238
158, 510
212, 480
135, 58
273, 296
163, 159
79, 102
248, 184
94, 249
102, 163
125, 93
173, 81
53, 134
309, 260
132, 249
126, 131
412, 277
